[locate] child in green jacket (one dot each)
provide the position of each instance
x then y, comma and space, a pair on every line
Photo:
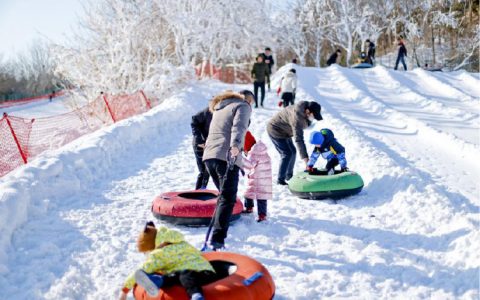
176, 261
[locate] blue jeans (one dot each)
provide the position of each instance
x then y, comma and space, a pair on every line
288, 154
262, 205
401, 58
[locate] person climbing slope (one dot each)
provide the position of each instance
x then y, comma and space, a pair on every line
402, 53
288, 87
259, 172
370, 52
268, 59
259, 74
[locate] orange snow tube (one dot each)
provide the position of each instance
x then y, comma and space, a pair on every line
239, 278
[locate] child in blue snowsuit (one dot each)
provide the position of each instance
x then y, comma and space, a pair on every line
327, 146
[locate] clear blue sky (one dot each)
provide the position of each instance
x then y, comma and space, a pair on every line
23, 21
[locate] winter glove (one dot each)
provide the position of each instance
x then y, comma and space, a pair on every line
280, 103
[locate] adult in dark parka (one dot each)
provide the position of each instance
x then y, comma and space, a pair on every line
231, 115
334, 57
287, 124
370, 52
200, 125
268, 59
259, 74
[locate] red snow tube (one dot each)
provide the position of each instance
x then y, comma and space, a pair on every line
190, 208
239, 277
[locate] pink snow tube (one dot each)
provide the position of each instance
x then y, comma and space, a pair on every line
190, 208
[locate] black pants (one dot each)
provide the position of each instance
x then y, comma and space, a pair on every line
192, 281
217, 168
287, 99
202, 178
332, 163
260, 85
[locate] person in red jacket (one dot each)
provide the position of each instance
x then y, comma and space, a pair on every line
402, 53
258, 166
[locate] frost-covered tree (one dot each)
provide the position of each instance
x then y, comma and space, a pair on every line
346, 18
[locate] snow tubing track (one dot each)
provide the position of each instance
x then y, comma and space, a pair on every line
318, 185
233, 271
190, 208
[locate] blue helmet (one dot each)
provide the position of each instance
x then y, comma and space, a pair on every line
316, 138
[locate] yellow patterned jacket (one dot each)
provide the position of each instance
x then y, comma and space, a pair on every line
178, 255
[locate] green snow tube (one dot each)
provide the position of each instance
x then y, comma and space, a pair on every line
317, 185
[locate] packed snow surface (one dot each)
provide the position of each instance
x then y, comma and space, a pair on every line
69, 219
45, 108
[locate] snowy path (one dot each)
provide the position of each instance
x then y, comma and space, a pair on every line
45, 108
411, 234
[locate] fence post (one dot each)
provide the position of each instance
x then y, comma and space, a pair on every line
149, 105
108, 107
24, 157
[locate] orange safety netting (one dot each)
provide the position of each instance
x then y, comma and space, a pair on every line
22, 139
227, 74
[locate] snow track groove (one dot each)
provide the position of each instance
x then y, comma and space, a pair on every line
411, 137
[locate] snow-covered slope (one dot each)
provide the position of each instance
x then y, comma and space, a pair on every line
44, 108
69, 219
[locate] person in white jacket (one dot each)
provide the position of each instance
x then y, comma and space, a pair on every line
288, 87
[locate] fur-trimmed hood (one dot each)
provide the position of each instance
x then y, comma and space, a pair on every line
217, 104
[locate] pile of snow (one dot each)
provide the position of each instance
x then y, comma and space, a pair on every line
411, 233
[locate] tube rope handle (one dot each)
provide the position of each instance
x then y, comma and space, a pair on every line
253, 278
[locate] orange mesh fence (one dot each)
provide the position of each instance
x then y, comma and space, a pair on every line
22, 139
227, 74
12, 148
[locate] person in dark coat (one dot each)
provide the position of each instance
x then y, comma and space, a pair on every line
402, 53
226, 138
287, 124
200, 125
52, 95
268, 59
333, 58
370, 52
259, 74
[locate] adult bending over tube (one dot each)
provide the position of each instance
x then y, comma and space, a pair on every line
287, 124
231, 115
